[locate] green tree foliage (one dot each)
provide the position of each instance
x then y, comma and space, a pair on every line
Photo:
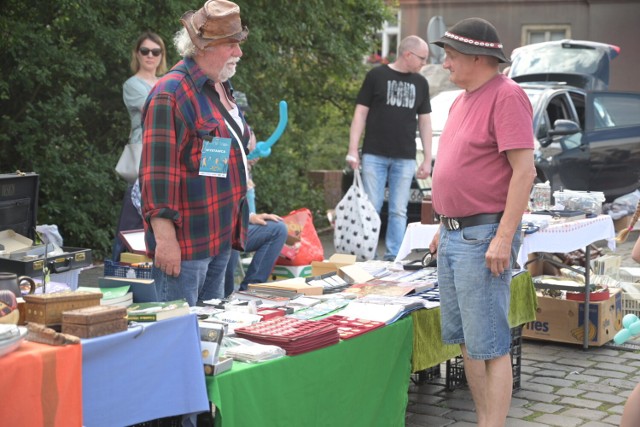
309, 53
63, 63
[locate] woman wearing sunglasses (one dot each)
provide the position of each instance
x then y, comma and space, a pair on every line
148, 62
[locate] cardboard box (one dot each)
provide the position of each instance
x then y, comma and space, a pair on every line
539, 267
332, 265
354, 274
297, 284
563, 320
290, 271
223, 365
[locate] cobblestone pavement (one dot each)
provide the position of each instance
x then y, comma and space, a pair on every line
561, 385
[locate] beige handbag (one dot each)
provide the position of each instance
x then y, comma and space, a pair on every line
129, 162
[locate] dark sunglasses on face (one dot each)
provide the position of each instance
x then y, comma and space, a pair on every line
144, 51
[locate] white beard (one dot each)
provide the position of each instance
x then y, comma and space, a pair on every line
228, 71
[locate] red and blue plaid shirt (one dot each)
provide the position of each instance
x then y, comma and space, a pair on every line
204, 209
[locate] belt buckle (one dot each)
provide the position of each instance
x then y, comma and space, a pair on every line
452, 223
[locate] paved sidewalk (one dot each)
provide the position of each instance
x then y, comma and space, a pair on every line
561, 385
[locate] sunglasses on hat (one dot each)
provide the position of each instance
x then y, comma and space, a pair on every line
144, 51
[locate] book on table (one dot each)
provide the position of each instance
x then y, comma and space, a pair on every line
153, 311
123, 301
115, 297
143, 290
378, 288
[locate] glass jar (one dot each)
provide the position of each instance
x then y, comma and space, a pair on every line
541, 197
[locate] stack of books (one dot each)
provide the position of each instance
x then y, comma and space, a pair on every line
292, 335
114, 297
154, 311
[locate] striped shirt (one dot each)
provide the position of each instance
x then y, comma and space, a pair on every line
204, 209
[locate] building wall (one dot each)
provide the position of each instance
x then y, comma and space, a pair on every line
608, 21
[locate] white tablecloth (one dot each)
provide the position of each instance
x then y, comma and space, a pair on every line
561, 237
569, 236
417, 236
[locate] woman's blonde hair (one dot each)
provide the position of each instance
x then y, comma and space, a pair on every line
148, 35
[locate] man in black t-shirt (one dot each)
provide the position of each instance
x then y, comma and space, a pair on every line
393, 101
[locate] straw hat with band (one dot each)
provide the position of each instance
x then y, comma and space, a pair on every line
474, 36
218, 21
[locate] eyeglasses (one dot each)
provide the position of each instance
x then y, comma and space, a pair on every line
421, 58
144, 51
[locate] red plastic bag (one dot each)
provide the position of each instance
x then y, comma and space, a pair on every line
308, 248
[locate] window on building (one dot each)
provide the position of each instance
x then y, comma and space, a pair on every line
544, 33
386, 41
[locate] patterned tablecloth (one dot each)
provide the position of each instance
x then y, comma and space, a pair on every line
558, 237
568, 236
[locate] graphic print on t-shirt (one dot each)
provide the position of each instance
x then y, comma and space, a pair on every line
401, 94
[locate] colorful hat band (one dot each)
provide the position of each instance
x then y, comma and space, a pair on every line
473, 42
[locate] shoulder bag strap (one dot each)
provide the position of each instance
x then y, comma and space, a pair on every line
227, 117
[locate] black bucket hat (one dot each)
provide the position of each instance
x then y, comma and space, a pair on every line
474, 36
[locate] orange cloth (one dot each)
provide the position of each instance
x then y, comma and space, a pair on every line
41, 385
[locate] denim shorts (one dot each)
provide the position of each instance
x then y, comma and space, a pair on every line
474, 303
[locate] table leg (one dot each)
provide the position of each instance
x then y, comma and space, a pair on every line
587, 291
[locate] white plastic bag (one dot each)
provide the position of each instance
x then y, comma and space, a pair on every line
357, 223
129, 162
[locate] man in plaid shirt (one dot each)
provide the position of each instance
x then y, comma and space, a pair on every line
190, 213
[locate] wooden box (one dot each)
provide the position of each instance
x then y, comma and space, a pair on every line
47, 308
427, 214
95, 330
94, 321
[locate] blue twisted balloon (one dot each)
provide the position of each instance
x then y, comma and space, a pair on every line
263, 148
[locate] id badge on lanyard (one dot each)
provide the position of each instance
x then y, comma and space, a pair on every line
215, 156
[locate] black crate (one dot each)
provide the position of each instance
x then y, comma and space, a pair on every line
162, 422
516, 355
205, 419
455, 373
455, 367
426, 375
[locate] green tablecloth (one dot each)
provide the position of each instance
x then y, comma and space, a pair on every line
358, 382
428, 348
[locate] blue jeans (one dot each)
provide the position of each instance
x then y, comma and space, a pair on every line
474, 304
130, 219
376, 170
199, 280
266, 241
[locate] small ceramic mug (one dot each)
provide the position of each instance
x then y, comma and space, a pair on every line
15, 284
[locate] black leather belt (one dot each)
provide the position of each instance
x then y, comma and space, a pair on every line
469, 221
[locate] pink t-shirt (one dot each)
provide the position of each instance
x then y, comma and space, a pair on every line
471, 174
